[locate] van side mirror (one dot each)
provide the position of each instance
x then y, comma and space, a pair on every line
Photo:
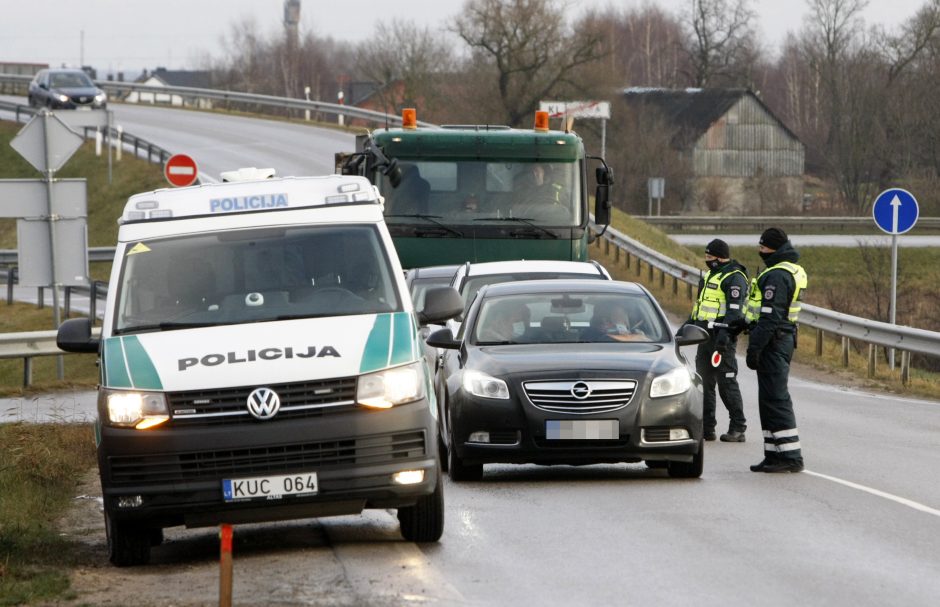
440, 304
691, 334
75, 336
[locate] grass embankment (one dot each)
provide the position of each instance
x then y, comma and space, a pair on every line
839, 279
105, 204
40, 467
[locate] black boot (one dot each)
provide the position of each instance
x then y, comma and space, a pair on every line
769, 460
784, 465
710, 435
733, 436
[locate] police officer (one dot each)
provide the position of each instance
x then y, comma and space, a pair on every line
773, 308
722, 297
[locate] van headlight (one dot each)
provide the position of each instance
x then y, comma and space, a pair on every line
481, 384
674, 382
397, 386
131, 409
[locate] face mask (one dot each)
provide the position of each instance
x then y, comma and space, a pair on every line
621, 329
518, 328
764, 256
713, 264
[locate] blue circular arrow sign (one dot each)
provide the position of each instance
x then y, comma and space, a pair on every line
895, 211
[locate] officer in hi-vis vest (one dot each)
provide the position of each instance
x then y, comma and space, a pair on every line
722, 299
773, 308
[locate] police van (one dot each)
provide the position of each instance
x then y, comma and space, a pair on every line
259, 361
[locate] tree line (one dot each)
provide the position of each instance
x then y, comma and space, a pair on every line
860, 97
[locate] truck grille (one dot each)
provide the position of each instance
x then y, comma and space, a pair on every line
251, 461
229, 405
581, 396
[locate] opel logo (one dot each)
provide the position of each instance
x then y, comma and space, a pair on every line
263, 403
580, 390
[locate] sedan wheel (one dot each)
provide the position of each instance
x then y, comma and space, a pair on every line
458, 470
691, 469
424, 522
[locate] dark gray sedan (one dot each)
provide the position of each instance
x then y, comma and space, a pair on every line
568, 372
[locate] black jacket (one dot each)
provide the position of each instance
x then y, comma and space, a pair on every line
776, 287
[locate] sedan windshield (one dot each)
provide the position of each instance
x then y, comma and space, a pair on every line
254, 275
568, 318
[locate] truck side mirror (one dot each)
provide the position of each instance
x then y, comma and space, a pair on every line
393, 172
75, 336
605, 178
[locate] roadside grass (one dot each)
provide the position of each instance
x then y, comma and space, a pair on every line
841, 270
40, 470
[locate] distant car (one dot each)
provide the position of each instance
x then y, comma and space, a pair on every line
419, 280
64, 89
568, 372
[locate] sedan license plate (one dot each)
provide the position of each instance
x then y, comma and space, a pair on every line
269, 487
582, 429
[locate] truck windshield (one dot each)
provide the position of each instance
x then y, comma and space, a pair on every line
254, 275
473, 192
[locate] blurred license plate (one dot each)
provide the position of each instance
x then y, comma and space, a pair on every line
269, 487
582, 429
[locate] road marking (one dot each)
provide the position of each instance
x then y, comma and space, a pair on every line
894, 498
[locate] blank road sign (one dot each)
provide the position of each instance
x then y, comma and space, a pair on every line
46, 130
180, 170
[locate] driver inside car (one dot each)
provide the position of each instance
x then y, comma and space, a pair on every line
507, 321
610, 322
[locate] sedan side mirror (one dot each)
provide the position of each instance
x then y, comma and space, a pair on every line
75, 336
690, 335
440, 304
443, 338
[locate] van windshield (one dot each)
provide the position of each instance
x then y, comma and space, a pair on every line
254, 275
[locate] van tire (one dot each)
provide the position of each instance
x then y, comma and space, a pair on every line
424, 522
128, 544
442, 453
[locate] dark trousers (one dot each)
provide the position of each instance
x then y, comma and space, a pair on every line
781, 439
725, 376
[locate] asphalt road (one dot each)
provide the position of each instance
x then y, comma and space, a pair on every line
859, 527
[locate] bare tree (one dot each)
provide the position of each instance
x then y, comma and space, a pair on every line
529, 48
720, 41
406, 61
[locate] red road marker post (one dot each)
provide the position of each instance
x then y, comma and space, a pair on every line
225, 563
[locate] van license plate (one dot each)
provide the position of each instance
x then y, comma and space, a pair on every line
582, 429
269, 487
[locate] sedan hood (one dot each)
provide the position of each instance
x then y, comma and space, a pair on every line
508, 360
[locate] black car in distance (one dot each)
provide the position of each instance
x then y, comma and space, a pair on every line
65, 89
568, 372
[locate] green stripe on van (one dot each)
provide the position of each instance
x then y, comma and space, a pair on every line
115, 371
143, 374
403, 346
375, 354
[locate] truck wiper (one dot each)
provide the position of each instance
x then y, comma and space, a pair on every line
524, 220
433, 219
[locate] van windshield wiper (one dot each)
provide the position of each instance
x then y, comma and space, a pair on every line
431, 218
524, 220
168, 326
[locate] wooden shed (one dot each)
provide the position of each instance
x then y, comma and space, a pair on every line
742, 157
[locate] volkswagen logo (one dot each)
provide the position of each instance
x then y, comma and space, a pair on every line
580, 390
263, 403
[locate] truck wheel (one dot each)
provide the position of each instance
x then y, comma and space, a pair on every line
691, 469
424, 522
459, 471
128, 544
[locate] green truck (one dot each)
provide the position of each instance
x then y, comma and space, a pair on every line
482, 193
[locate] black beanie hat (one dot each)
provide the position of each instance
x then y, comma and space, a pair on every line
773, 238
719, 248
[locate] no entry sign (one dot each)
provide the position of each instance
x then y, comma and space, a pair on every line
180, 170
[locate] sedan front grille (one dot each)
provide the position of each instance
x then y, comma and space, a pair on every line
582, 396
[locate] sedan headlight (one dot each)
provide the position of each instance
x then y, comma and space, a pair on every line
139, 410
61, 97
391, 387
674, 382
101, 97
481, 384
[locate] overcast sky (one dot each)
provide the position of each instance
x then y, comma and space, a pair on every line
128, 35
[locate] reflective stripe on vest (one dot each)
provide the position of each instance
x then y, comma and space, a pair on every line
755, 297
712, 303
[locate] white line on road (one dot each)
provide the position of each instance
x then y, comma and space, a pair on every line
894, 498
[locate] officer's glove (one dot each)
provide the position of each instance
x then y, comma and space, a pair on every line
738, 326
722, 341
752, 359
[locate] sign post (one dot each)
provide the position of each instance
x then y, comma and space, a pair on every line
895, 211
655, 188
581, 109
180, 170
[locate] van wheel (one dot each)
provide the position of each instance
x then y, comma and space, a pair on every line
442, 453
459, 471
128, 544
691, 469
424, 522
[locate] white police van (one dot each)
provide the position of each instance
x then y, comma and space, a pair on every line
260, 361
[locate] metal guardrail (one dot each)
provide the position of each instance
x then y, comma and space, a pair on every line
28, 345
716, 223
875, 333
234, 97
